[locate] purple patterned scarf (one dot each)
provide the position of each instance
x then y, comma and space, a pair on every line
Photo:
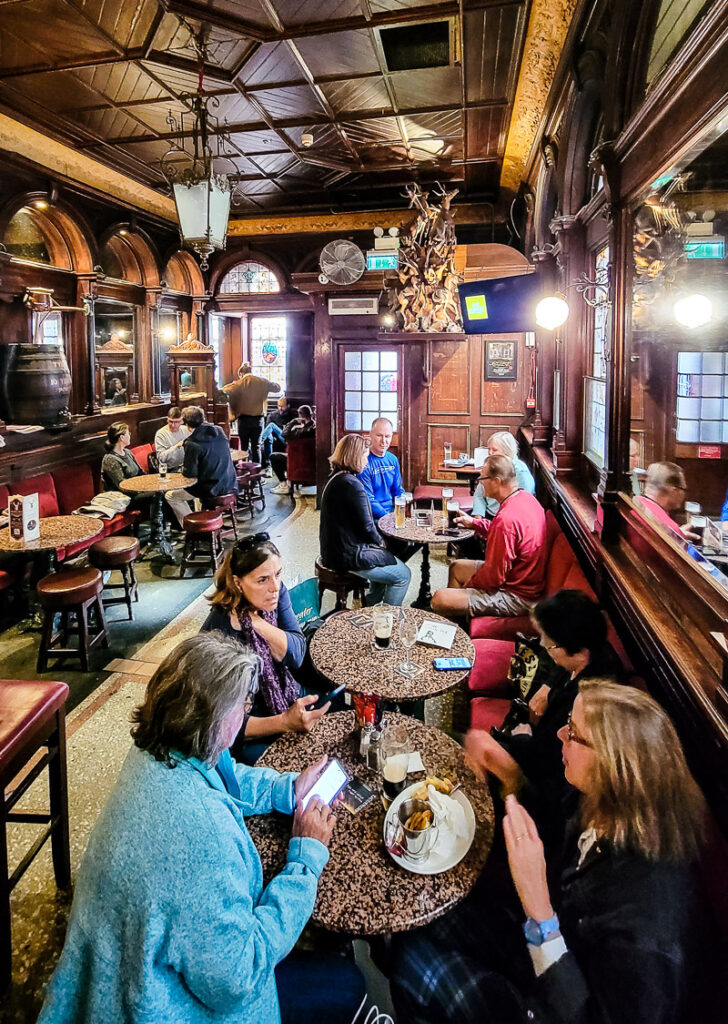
277, 686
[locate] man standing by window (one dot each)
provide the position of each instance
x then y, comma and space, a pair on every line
248, 398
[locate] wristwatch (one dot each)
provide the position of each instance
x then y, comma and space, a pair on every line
537, 932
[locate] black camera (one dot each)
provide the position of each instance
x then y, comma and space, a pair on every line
517, 715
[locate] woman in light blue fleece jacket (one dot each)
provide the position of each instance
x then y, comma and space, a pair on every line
171, 922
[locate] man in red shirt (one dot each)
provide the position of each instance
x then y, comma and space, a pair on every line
665, 494
512, 576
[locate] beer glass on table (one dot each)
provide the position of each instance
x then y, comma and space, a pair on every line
163, 470
446, 451
396, 748
447, 495
400, 511
383, 624
409, 499
453, 511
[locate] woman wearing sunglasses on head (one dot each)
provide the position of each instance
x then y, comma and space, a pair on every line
613, 942
251, 603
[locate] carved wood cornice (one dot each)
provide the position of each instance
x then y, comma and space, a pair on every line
465, 213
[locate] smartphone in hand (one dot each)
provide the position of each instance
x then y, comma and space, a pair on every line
326, 697
329, 783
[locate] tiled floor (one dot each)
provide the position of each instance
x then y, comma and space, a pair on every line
98, 740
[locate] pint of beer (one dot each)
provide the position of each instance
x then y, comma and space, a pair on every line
409, 501
447, 493
453, 511
400, 507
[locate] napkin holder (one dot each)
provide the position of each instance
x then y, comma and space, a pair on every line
23, 516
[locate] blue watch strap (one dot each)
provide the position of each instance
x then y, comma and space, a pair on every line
537, 932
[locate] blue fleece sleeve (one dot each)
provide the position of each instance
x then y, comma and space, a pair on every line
524, 477
263, 789
397, 486
288, 622
378, 507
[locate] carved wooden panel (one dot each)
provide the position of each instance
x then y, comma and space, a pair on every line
449, 393
437, 434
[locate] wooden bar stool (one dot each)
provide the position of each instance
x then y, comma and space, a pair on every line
250, 480
71, 592
227, 504
202, 539
117, 553
32, 716
342, 584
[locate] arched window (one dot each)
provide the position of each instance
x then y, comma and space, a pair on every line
31, 236
249, 279
674, 21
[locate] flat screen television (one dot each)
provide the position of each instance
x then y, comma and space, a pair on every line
500, 305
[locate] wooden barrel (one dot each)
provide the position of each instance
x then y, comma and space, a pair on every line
38, 383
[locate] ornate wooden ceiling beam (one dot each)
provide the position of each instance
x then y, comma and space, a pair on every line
172, 60
72, 64
465, 213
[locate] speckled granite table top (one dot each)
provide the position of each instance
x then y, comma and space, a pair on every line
419, 535
362, 891
345, 653
151, 483
55, 532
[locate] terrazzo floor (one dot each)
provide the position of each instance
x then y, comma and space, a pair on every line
98, 740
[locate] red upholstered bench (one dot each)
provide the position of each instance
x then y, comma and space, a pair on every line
432, 492
31, 717
74, 487
141, 453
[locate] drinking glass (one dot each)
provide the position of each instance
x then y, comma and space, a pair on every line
400, 510
447, 494
408, 502
453, 511
408, 630
396, 747
383, 623
446, 451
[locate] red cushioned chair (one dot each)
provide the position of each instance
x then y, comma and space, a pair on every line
301, 468
429, 492
141, 453
46, 490
32, 717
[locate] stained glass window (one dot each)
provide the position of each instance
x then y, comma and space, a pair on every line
370, 388
268, 340
249, 279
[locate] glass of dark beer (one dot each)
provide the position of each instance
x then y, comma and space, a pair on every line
383, 619
453, 511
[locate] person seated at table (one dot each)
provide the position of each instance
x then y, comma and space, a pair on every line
503, 443
117, 392
349, 540
169, 441
382, 482
304, 425
512, 575
251, 603
207, 458
272, 437
611, 925
664, 493
171, 919
118, 464
573, 646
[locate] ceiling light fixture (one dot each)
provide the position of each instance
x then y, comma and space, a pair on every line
693, 310
201, 194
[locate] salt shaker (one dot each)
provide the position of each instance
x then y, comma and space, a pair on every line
374, 753
364, 739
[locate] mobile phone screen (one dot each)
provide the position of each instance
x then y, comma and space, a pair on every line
450, 663
329, 784
326, 697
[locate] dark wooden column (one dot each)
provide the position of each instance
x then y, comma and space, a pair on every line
86, 294
570, 343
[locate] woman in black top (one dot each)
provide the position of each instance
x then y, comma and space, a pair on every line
118, 464
613, 942
348, 537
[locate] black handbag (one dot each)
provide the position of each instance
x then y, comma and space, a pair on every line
371, 556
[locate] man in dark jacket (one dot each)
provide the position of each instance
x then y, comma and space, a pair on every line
207, 458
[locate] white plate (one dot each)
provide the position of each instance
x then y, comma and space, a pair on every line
432, 863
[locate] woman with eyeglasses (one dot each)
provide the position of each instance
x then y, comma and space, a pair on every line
251, 604
612, 941
171, 919
574, 646
502, 442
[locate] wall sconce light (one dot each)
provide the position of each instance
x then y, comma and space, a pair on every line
693, 310
388, 320
41, 204
552, 311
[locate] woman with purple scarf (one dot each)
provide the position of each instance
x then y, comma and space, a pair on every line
252, 605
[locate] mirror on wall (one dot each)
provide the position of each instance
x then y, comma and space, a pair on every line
169, 334
116, 341
678, 455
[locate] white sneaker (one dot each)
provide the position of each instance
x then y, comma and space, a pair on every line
267, 472
281, 488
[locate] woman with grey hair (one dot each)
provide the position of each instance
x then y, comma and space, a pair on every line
503, 443
171, 920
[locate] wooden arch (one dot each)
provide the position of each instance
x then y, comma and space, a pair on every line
183, 274
67, 238
135, 253
247, 256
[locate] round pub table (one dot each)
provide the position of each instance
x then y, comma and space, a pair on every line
423, 536
362, 891
342, 650
157, 486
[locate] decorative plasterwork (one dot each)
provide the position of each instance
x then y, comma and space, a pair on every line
467, 213
64, 161
547, 29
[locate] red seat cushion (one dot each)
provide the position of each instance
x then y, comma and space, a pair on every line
485, 712
25, 707
490, 670
141, 453
430, 492
492, 627
4, 495
301, 466
74, 487
46, 489
121, 521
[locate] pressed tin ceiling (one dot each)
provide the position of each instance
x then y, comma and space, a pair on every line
101, 76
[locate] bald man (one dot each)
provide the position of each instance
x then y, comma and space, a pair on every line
665, 488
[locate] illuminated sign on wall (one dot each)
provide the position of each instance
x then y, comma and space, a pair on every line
382, 260
712, 249
477, 307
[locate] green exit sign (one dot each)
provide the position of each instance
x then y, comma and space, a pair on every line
382, 260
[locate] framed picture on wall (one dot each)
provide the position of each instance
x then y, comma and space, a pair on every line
501, 360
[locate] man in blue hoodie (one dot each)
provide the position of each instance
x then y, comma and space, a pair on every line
382, 481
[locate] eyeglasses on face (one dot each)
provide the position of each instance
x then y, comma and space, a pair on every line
573, 736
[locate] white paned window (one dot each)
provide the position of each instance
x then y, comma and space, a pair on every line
595, 388
370, 388
702, 397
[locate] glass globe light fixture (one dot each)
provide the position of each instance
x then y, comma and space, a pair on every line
693, 310
552, 311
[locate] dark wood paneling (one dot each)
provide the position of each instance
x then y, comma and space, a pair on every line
449, 393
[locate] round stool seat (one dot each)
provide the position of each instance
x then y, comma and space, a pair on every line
342, 578
69, 587
226, 500
113, 552
203, 522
